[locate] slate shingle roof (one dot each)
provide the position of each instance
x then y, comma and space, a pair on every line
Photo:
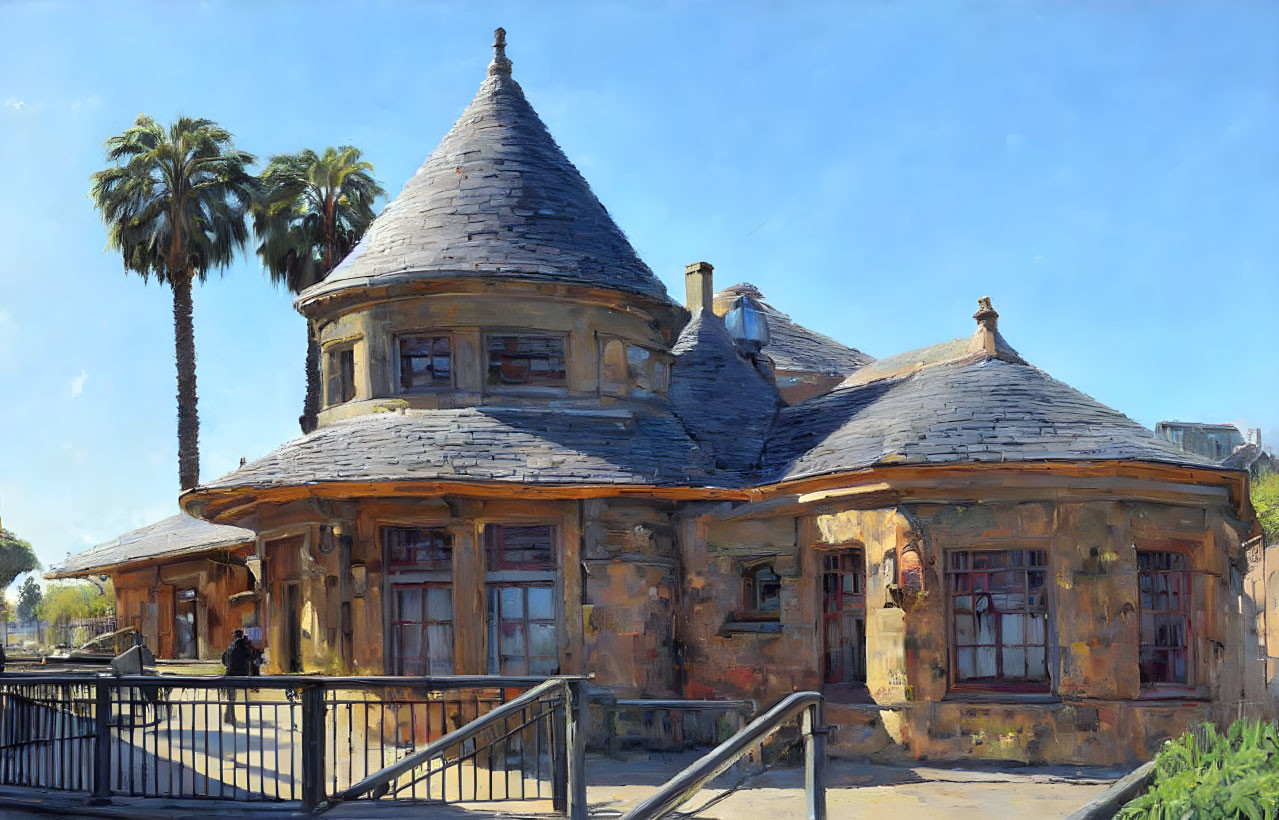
721, 398
518, 445
496, 198
177, 534
979, 409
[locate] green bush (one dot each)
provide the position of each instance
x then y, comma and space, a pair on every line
1206, 774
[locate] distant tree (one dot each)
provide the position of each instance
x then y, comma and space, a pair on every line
16, 557
175, 203
64, 603
1265, 500
312, 210
29, 599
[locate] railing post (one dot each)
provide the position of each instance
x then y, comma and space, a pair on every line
559, 754
101, 743
312, 747
815, 760
577, 719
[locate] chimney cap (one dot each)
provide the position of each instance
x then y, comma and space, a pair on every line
986, 315
500, 64
699, 267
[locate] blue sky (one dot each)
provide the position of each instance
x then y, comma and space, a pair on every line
1108, 172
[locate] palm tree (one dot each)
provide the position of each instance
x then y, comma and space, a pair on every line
312, 210
175, 205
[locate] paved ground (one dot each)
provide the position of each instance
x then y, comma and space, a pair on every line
866, 790
855, 790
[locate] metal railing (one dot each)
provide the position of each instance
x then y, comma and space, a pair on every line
664, 725
550, 718
809, 706
276, 738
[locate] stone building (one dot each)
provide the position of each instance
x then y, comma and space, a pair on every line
532, 460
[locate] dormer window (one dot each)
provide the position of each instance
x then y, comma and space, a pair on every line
526, 359
340, 370
425, 362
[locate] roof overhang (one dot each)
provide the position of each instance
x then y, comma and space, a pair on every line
222, 506
204, 552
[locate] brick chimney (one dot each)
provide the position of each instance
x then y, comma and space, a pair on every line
699, 286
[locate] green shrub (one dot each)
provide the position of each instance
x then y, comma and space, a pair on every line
1206, 774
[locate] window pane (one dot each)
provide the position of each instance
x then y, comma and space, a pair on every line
541, 605
986, 662
1014, 662
967, 664
986, 629
512, 603
519, 548
542, 640
1012, 632
424, 362
439, 603
965, 633
544, 666
410, 605
511, 638
418, 548
535, 360
1036, 668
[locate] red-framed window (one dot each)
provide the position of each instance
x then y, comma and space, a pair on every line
418, 548
519, 547
422, 629
999, 616
1164, 579
521, 623
844, 616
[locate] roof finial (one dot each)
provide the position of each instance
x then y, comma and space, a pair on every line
986, 316
500, 64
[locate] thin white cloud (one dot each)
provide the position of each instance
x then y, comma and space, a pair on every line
77, 384
14, 103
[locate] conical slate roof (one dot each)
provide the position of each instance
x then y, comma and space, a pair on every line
497, 198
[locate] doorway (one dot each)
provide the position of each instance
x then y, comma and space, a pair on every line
291, 658
844, 616
186, 643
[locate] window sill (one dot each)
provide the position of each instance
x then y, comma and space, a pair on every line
750, 628
995, 696
1158, 695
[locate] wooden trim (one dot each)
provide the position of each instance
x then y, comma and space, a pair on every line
1142, 481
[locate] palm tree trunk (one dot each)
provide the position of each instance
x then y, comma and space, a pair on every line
188, 417
311, 404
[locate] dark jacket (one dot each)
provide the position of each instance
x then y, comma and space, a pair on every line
240, 657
